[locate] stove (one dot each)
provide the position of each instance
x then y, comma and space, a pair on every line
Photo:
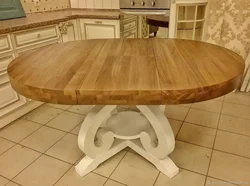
145, 7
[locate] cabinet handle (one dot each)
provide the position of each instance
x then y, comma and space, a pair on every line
38, 35
98, 22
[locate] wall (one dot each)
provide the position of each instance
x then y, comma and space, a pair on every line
228, 25
98, 4
45, 5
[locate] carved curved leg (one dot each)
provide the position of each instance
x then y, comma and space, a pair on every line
105, 132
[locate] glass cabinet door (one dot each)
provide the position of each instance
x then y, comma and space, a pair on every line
190, 20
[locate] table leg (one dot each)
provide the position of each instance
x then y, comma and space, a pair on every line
104, 133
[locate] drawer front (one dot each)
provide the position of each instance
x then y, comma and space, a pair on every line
129, 25
130, 34
5, 45
35, 36
4, 62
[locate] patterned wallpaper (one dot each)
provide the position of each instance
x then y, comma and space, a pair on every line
45, 5
228, 25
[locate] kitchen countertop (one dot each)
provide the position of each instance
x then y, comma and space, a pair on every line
53, 17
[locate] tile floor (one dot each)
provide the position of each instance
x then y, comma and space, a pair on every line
212, 148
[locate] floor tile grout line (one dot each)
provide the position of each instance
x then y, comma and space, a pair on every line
182, 123
210, 160
157, 178
222, 180
126, 152
38, 156
234, 133
190, 123
63, 175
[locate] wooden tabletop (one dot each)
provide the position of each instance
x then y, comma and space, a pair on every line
158, 20
126, 71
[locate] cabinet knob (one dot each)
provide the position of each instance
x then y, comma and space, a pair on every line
153, 3
142, 3
132, 3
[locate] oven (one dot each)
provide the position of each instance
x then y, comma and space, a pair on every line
141, 9
145, 7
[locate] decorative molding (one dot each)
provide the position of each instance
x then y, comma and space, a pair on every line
63, 26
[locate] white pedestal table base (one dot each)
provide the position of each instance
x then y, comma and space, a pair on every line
105, 132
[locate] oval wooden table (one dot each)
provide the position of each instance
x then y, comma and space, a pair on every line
141, 72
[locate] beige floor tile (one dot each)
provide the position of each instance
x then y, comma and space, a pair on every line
106, 168
230, 168
233, 143
3, 181
191, 157
19, 130
176, 125
183, 178
15, 160
186, 105
216, 182
66, 121
71, 178
66, 149
44, 171
219, 98
5, 145
43, 139
204, 118
211, 105
198, 135
235, 124
76, 129
112, 183
80, 109
176, 112
11, 184
135, 170
236, 110
238, 98
58, 106
42, 114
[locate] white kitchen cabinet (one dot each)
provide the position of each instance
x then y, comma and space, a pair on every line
187, 19
69, 30
10, 100
100, 28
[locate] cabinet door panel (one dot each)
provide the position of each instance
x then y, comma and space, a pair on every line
10, 100
93, 31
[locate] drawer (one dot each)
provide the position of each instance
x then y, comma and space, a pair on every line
4, 62
130, 34
31, 37
5, 45
130, 24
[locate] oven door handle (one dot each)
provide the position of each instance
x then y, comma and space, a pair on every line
144, 12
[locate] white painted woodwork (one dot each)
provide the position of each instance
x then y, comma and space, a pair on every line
5, 44
174, 12
130, 34
100, 28
245, 87
72, 32
10, 100
105, 132
35, 36
75, 4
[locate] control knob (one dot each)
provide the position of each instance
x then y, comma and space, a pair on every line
132, 3
142, 3
153, 3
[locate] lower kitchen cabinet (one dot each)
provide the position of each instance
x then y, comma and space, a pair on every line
10, 100
69, 30
99, 29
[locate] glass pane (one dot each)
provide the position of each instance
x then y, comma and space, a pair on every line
185, 30
186, 13
201, 12
199, 30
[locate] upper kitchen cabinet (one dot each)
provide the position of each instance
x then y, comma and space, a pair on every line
100, 28
10, 9
187, 19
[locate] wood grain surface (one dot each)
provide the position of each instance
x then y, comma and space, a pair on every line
126, 71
